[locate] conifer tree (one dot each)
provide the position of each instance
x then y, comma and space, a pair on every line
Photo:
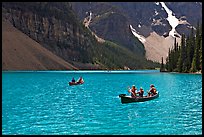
174, 60
182, 54
201, 47
197, 47
167, 63
191, 44
175, 44
188, 56
177, 52
201, 54
170, 61
162, 65
193, 66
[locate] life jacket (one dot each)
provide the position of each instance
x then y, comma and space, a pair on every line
133, 94
141, 93
153, 90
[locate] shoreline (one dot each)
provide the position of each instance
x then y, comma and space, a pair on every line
198, 72
99, 70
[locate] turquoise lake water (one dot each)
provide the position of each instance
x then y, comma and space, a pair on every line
42, 103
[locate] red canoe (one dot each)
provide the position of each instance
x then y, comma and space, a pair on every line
75, 83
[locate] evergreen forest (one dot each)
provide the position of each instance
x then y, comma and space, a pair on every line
186, 57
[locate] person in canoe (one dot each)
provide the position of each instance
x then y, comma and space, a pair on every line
152, 90
133, 91
80, 80
73, 80
140, 92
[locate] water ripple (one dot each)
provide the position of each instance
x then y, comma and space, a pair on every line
45, 104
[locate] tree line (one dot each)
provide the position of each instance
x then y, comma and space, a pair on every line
186, 58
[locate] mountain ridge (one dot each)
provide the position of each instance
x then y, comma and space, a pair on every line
145, 18
55, 27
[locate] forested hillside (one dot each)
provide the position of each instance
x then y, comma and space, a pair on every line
188, 56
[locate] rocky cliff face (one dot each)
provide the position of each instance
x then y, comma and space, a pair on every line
150, 20
115, 27
58, 32
56, 27
109, 23
145, 17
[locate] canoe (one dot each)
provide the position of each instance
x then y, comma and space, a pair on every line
129, 99
75, 83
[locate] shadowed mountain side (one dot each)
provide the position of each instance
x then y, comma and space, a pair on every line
20, 52
56, 27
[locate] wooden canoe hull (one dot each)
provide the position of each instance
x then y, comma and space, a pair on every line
75, 83
128, 99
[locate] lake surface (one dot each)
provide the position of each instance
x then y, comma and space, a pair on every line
42, 103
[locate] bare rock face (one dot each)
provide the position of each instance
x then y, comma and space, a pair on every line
55, 33
110, 21
56, 27
115, 27
145, 17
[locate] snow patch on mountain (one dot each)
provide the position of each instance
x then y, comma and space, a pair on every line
157, 46
90, 16
173, 21
87, 20
157, 22
156, 12
140, 37
157, 3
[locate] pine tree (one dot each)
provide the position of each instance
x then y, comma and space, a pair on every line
182, 55
177, 52
193, 66
188, 56
174, 60
191, 44
197, 48
167, 63
201, 48
170, 61
175, 44
201, 54
162, 66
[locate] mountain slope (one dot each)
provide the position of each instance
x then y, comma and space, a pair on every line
109, 23
157, 23
19, 52
55, 27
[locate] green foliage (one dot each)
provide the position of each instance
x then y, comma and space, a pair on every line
162, 65
187, 57
201, 54
193, 66
113, 56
